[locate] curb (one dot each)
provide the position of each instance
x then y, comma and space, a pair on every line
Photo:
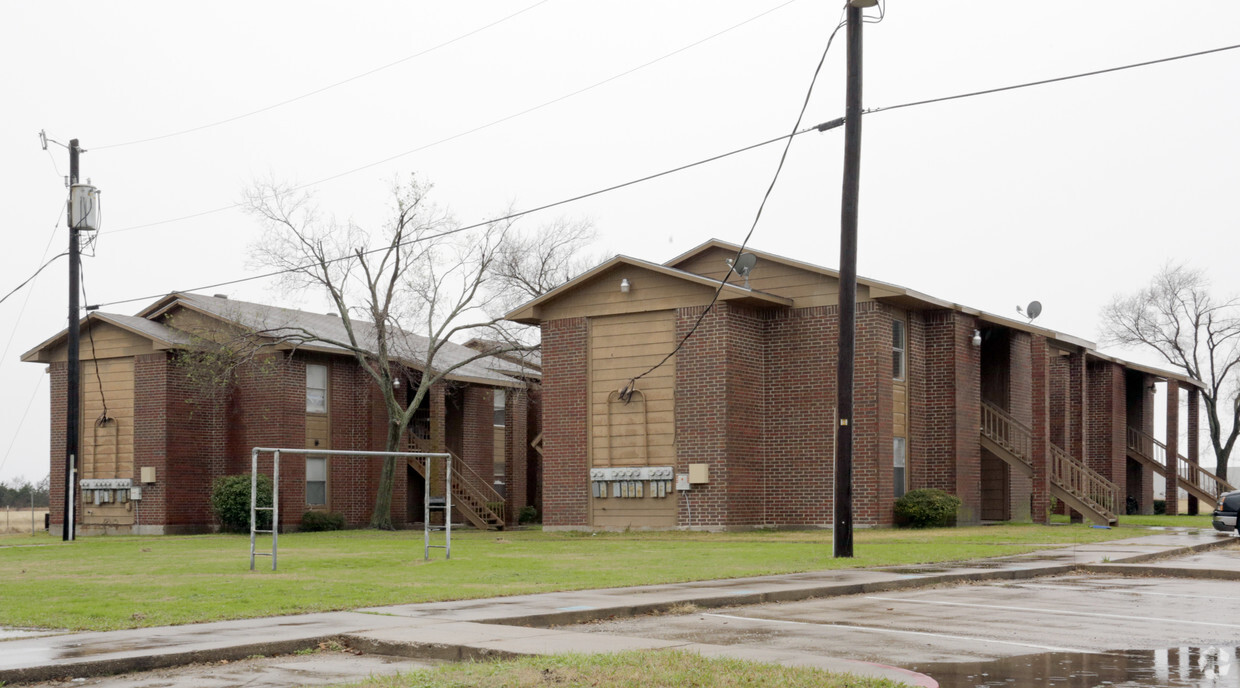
125, 665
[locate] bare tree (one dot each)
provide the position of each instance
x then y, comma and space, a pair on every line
1176, 316
534, 262
402, 293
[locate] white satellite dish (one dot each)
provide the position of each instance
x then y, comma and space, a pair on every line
744, 265
1032, 311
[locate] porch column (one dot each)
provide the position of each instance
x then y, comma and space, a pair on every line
1078, 403
439, 417
1194, 434
1040, 428
1173, 448
516, 444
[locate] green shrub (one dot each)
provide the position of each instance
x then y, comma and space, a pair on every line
230, 501
528, 514
928, 508
1160, 507
317, 521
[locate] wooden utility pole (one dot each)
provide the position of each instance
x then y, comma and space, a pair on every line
842, 539
73, 394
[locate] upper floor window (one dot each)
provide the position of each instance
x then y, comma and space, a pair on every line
897, 349
501, 401
316, 388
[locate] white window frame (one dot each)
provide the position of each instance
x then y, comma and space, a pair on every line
321, 462
899, 466
316, 403
899, 353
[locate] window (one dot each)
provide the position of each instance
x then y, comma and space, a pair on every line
897, 349
316, 481
501, 400
899, 473
316, 389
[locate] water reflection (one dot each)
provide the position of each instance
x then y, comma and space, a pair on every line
1182, 667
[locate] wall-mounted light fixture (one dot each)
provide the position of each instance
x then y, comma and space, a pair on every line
625, 286
977, 337
396, 383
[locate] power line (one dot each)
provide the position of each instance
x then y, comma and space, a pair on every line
627, 391
510, 216
1053, 80
30, 278
17, 431
60, 214
324, 88
474, 130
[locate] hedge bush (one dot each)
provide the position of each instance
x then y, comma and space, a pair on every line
928, 508
318, 521
230, 501
528, 514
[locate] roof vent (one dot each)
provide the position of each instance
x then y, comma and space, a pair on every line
221, 296
332, 314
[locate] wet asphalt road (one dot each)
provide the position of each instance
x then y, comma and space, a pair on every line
1026, 633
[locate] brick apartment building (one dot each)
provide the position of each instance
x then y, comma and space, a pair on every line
148, 424
1009, 417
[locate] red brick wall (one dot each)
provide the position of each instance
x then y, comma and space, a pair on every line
746, 420
1021, 408
1058, 372
517, 444
59, 383
801, 402
1106, 441
950, 455
478, 431
917, 391
1173, 447
565, 395
1040, 427
701, 405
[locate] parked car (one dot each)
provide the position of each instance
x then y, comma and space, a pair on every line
1225, 511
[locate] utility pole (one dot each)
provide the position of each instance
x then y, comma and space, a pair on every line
73, 393
842, 538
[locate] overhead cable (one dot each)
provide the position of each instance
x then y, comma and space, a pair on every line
328, 87
473, 130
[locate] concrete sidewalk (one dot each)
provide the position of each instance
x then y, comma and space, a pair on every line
521, 625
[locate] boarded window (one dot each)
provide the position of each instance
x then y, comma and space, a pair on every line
316, 481
316, 389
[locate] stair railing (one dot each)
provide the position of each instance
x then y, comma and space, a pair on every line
1007, 432
1084, 482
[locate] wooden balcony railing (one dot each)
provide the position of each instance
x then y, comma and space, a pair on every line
1084, 482
1007, 432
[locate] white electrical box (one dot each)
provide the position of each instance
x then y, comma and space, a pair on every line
699, 473
148, 474
682, 482
84, 207
135, 494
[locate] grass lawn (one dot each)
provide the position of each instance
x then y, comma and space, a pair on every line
623, 670
111, 582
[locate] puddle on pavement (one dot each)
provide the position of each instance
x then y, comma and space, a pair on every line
1185, 667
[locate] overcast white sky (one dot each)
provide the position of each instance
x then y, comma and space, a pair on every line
1067, 193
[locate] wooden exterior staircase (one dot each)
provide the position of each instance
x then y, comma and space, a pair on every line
472, 495
1199, 482
1072, 482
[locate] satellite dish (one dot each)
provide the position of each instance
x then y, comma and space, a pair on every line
744, 265
1033, 310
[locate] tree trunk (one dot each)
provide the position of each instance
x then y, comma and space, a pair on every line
381, 517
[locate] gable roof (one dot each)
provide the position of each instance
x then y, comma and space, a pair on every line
528, 312
307, 329
885, 292
162, 336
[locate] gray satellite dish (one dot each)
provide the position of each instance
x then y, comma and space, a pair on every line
744, 265
1034, 309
